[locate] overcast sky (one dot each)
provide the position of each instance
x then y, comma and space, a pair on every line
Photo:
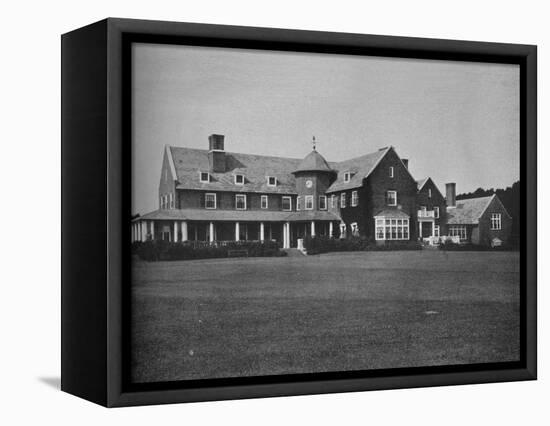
454, 121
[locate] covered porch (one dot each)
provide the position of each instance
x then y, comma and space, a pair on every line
217, 226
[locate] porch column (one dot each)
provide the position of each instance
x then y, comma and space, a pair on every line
175, 231
184, 236
211, 236
420, 230
143, 230
312, 228
330, 230
287, 235
284, 235
433, 228
152, 223
237, 231
132, 233
261, 231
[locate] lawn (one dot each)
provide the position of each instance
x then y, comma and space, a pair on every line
338, 311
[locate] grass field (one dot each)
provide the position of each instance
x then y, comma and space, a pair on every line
331, 312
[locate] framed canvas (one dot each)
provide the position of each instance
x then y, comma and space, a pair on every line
255, 212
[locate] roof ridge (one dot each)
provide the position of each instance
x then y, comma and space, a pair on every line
238, 153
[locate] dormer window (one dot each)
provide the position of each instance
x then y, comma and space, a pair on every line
271, 181
205, 177
239, 179
347, 177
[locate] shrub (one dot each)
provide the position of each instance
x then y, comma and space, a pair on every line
450, 246
316, 245
164, 250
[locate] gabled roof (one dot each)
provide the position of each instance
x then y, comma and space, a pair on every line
189, 162
468, 212
420, 183
313, 162
360, 167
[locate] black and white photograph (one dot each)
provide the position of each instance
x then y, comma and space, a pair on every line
300, 212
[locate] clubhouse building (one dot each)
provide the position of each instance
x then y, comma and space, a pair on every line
214, 196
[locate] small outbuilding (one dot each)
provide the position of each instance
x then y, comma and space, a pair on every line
482, 220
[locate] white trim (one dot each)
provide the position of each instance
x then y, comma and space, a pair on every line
235, 179
429, 192
262, 198
271, 177
306, 199
200, 177
333, 201
325, 199
354, 198
392, 174
458, 231
298, 203
171, 200
171, 162
388, 197
496, 218
343, 200
215, 201
397, 226
436, 209
237, 196
290, 203
347, 177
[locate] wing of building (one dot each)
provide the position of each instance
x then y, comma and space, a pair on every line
215, 195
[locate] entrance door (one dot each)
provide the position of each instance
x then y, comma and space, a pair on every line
426, 229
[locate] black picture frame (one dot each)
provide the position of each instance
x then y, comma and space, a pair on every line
96, 210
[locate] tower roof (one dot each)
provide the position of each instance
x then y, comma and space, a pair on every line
313, 162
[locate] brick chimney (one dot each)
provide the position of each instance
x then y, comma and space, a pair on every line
405, 162
451, 194
216, 153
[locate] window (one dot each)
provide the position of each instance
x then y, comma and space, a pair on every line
458, 231
171, 200
287, 203
391, 198
389, 228
436, 231
240, 202
263, 202
298, 203
347, 177
354, 229
343, 200
161, 201
210, 201
239, 179
271, 181
205, 177
436, 212
333, 201
429, 192
496, 221
391, 171
309, 202
354, 198
322, 202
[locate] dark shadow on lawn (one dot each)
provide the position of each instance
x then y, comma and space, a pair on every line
54, 382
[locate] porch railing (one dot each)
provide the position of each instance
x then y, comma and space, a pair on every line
426, 214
